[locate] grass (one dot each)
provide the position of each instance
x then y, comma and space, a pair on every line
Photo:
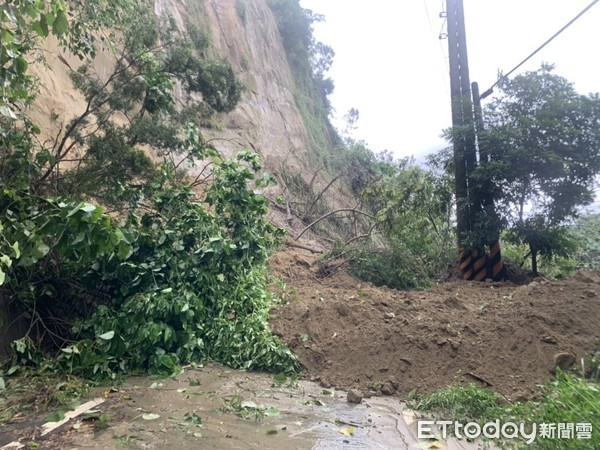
568, 399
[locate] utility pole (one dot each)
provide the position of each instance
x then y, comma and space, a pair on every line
458, 69
466, 122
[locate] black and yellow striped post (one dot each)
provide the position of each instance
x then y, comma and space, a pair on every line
497, 269
480, 272
466, 263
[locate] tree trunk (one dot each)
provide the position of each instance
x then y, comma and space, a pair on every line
534, 268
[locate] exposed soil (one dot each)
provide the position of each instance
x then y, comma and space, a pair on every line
349, 334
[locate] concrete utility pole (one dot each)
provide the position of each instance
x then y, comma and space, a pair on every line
459, 79
469, 197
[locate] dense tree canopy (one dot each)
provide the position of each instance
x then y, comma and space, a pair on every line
544, 143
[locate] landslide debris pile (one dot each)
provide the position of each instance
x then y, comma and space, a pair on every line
350, 334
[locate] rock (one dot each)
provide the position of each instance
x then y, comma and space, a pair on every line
389, 315
395, 383
354, 396
343, 310
563, 360
325, 384
590, 294
388, 389
549, 340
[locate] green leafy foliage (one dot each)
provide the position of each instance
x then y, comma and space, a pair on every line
109, 159
179, 284
586, 231
219, 85
23, 23
178, 276
413, 211
401, 233
543, 239
543, 142
568, 399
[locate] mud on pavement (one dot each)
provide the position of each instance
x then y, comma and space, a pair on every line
216, 408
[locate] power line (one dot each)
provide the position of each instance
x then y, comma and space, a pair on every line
444, 58
571, 22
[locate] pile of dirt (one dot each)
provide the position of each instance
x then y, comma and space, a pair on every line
349, 334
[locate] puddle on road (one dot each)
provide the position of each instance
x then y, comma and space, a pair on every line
199, 409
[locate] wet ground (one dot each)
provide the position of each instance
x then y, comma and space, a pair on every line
218, 408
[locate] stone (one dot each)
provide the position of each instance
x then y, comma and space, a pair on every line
387, 389
563, 360
395, 383
354, 396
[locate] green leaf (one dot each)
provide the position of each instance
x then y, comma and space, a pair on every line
2, 384
151, 416
21, 65
280, 378
2, 277
107, 336
88, 207
41, 250
15, 248
124, 251
6, 36
271, 412
61, 24
49, 17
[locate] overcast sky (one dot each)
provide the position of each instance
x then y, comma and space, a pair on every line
391, 65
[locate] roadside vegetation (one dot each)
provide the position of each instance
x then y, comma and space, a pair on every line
570, 399
129, 244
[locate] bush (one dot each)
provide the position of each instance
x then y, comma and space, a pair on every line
179, 284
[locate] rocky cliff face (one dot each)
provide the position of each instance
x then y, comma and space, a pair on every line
265, 120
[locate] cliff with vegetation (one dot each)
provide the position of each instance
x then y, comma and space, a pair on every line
275, 115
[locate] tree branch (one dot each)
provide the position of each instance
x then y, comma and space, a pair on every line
330, 214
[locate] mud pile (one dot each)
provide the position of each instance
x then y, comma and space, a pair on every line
349, 334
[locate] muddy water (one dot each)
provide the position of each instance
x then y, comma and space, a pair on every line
216, 408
